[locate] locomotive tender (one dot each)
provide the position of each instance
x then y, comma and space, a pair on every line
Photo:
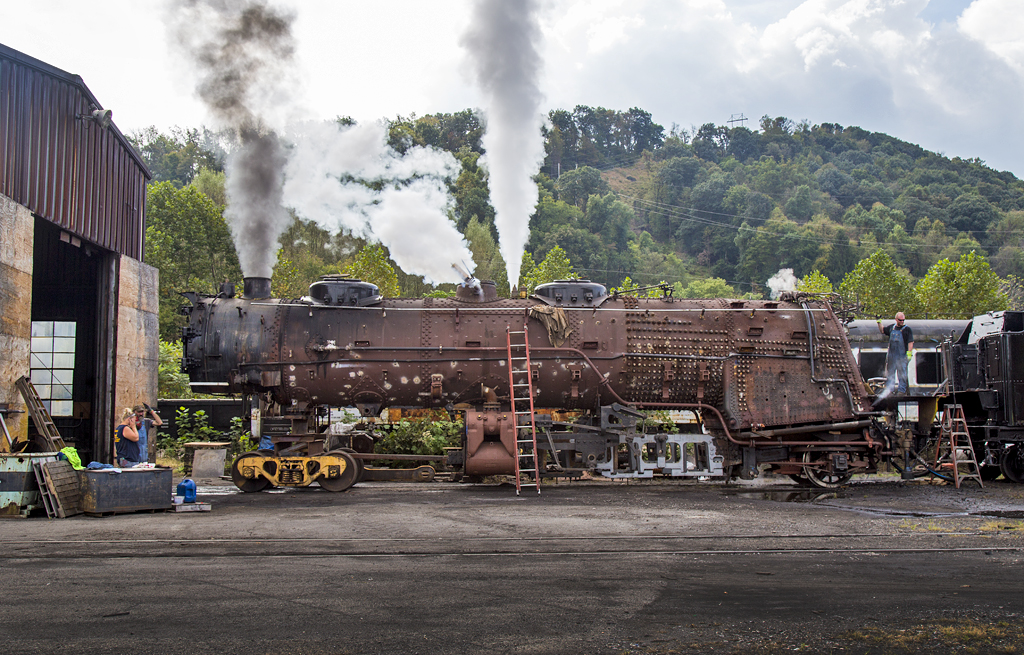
773, 383
985, 375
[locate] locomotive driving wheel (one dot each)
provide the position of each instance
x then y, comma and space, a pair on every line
1011, 463
247, 484
819, 472
347, 478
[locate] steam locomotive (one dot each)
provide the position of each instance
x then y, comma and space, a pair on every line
773, 384
984, 374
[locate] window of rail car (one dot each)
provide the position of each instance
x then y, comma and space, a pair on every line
927, 367
872, 363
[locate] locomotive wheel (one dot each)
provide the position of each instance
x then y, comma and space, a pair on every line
348, 477
1011, 463
360, 465
823, 479
248, 485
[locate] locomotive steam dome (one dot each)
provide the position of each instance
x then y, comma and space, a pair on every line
344, 290
572, 293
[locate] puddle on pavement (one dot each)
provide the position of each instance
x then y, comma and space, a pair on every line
814, 496
797, 496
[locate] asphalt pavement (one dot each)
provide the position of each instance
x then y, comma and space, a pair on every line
583, 567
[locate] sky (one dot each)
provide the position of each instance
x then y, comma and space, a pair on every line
945, 74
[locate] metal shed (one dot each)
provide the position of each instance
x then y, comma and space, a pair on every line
79, 306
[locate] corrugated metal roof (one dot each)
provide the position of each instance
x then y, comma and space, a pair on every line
65, 168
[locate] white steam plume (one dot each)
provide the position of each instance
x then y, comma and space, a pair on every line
502, 44
327, 179
784, 280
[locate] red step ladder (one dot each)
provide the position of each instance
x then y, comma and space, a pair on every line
521, 392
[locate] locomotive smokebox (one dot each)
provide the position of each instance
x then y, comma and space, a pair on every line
256, 288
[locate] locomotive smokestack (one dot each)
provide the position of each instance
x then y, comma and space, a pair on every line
256, 288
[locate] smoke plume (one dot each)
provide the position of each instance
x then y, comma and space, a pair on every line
348, 177
502, 44
784, 280
242, 53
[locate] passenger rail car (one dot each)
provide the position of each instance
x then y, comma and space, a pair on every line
774, 383
924, 373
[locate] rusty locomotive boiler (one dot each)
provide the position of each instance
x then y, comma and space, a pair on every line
773, 384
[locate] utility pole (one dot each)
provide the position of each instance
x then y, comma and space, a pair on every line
737, 118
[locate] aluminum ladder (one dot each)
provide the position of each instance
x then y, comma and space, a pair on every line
521, 393
961, 452
40, 417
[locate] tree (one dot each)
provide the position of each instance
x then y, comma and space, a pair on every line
556, 266
576, 186
211, 183
743, 144
710, 142
176, 157
471, 193
712, 287
961, 289
489, 263
880, 287
189, 241
527, 270
171, 382
814, 282
800, 205
971, 213
611, 218
371, 264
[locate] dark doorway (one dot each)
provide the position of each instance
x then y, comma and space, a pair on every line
68, 279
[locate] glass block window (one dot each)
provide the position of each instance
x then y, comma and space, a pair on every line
53, 364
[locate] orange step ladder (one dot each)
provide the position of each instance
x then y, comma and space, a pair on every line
955, 435
521, 392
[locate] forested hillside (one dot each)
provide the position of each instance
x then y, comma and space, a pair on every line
711, 210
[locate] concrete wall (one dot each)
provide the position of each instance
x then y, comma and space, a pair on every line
138, 335
17, 229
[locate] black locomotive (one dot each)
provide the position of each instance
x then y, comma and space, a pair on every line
984, 371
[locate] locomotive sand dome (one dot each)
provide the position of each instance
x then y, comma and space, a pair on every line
773, 383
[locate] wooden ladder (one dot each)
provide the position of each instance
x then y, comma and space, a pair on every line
961, 452
40, 416
521, 392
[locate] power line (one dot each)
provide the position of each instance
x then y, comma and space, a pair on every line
684, 214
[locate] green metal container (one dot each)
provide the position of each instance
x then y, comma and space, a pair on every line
19, 492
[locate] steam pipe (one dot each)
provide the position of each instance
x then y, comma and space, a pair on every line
810, 346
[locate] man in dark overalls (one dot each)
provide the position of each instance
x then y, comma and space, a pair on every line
901, 341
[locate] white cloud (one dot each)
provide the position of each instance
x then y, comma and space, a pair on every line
999, 26
872, 63
901, 67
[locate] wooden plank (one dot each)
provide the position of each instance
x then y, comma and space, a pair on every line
62, 482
